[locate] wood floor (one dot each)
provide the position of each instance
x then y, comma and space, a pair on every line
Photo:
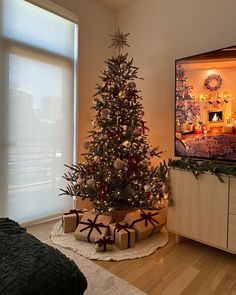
188, 268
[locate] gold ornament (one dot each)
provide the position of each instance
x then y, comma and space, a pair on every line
118, 164
126, 144
96, 159
94, 123
95, 101
131, 85
122, 95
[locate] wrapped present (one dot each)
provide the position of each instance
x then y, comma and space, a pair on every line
104, 244
145, 222
92, 226
123, 235
71, 219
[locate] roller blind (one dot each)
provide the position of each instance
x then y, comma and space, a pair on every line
38, 58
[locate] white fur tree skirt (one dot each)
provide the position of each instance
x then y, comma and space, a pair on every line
141, 249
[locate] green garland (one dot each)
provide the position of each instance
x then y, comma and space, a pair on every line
198, 167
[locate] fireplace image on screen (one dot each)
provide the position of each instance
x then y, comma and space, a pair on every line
205, 108
215, 116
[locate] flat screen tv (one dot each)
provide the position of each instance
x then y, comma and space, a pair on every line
205, 105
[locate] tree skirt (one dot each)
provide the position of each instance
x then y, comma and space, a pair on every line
141, 249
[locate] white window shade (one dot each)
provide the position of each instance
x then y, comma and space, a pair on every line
38, 67
29, 24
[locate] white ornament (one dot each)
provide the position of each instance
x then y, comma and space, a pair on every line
147, 188
164, 188
80, 180
95, 101
96, 159
105, 113
118, 164
91, 183
86, 145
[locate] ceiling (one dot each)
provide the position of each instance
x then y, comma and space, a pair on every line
117, 4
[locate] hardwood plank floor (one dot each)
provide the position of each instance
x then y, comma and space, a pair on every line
187, 268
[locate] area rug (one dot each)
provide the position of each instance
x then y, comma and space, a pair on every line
141, 249
100, 281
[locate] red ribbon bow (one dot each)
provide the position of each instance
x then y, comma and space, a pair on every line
73, 211
119, 227
104, 242
91, 224
147, 217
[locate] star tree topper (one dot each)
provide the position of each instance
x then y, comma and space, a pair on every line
119, 40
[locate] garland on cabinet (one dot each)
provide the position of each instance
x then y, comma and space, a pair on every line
198, 167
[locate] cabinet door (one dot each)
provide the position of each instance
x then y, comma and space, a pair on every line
200, 207
232, 233
232, 196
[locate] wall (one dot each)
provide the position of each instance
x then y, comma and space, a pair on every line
96, 21
162, 31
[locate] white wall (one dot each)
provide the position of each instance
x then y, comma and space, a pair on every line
96, 21
162, 31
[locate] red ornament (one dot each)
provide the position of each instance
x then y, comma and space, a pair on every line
102, 192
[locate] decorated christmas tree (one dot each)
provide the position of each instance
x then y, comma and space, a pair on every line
186, 108
116, 170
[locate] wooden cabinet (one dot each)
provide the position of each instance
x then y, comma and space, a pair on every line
200, 208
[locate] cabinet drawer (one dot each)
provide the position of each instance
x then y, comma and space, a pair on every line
232, 196
232, 233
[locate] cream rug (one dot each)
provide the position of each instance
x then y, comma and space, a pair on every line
100, 281
141, 249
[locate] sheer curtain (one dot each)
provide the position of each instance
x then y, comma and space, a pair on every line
38, 57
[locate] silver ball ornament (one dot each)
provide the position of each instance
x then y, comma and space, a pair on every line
80, 180
147, 188
91, 183
96, 159
105, 113
86, 145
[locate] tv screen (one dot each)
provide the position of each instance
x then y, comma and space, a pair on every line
205, 105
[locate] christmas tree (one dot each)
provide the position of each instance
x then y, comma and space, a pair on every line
117, 167
186, 108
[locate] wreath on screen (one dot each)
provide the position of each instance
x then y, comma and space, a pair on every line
213, 82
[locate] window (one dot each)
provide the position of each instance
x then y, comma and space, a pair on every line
38, 58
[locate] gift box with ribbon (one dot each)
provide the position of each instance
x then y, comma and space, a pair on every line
92, 226
104, 244
71, 219
145, 222
123, 235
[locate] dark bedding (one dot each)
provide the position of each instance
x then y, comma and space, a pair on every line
29, 267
